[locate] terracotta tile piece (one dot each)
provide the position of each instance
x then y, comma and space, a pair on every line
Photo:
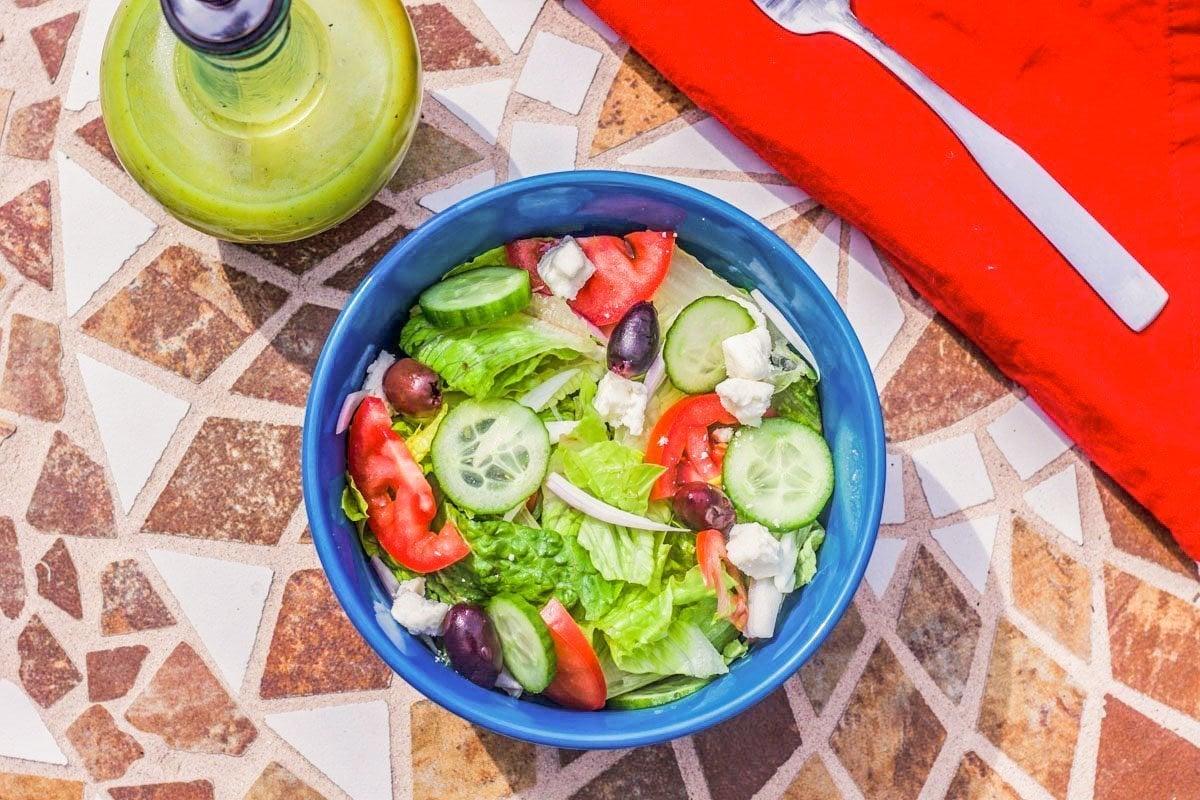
647, 772
445, 42
31, 133
7, 428
299, 257
130, 602
238, 481
1135, 531
12, 576
1052, 588
740, 741
46, 670
1031, 709
35, 787
639, 100
1140, 759
185, 313
112, 673
187, 706
455, 760
71, 495
888, 736
58, 580
813, 783
51, 39
106, 750
975, 780
350, 276
96, 135
6, 96
283, 371
32, 383
939, 625
431, 155
278, 783
566, 757
821, 673
1153, 638
194, 790
27, 3
25, 234
315, 649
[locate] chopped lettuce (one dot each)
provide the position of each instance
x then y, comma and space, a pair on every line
687, 280
496, 257
798, 402
421, 440
684, 650
806, 561
639, 616
354, 505
612, 472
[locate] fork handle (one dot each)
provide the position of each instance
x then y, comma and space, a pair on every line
1115, 275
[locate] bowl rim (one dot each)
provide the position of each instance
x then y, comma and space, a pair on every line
659, 728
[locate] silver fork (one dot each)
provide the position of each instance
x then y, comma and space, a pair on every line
1126, 286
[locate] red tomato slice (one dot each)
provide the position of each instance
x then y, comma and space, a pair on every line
578, 681
714, 565
628, 269
669, 439
526, 253
400, 502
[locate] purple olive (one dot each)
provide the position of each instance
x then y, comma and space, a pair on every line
634, 341
412, 388
472, 644
703, 506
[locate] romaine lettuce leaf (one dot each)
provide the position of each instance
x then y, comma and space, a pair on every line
806, 561
612, 472
354, 505
684, 650
798, 402
496, 257
421, 440
638, 617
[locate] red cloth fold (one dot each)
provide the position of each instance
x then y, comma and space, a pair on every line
1104, 93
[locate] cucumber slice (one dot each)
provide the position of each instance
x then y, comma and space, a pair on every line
692, 352
525, 641
779, 474
675, 687
477, 297
489, 455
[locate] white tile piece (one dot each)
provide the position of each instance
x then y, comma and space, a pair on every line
224, 602
99, 231
969, 545
1056, 500
706, 145
351, 744
22, 733
537, 148
1027, 438
893, 491
558, 72
594, 22
953, 475
825, 254
85, 80
480, 105
135, 419
756, 199
871, 304
443, 199
512, 19
882, 565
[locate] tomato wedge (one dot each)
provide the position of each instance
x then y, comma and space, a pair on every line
714, 567
578, 681
628, 269
669, 441
526, 253
400, 502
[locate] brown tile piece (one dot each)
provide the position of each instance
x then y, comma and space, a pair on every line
939, 625
1051, 588
445, 41
315, 649
112, 673
71, 495
299, 257
640, 99
740, 741
1135, 531
283, 370
46, 670
106, 750
35, 787
1031, 709
130, 602
975, 780
432, 154
12, 575
350, 276
51, 39
943, 379
238, 481
813, 783
277, 783
566, 757
33, 384
58, 580
96, 135
187, 706
455, 760
1140, 759
821, 673
25, 234
1153, 638
888, 737
31, 133
185, 312
193, 790
647, 772
27, 3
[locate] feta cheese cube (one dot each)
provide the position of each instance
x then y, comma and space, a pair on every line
415, 612
747, 400
620, 401
754, 551
748, 355
565, 268
722, 435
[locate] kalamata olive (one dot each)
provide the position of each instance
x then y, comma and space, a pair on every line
472, 644
702, 506
634, 341
412, 388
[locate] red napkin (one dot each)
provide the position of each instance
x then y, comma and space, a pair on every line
1104, 93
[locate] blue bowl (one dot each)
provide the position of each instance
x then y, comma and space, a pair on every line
726, 240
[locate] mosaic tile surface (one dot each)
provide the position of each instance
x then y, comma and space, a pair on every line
1025, 629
